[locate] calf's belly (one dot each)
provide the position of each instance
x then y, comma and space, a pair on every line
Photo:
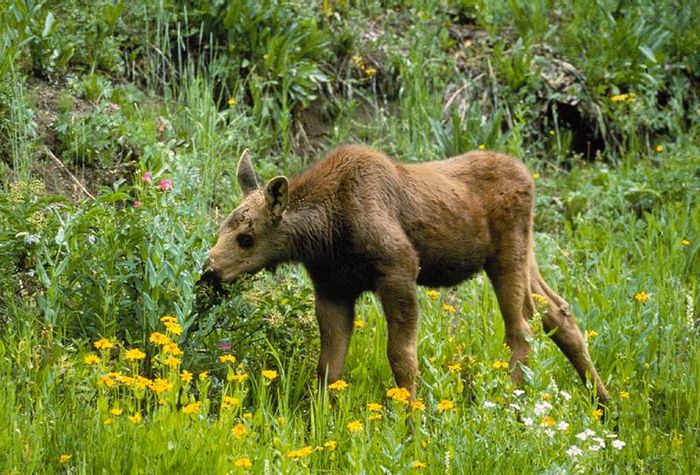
445, 275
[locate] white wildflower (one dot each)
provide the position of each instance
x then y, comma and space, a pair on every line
528, 422
549, 432
565, 395
599, 441
489, 404
542, 408
518, 392
594, 448
585, 434
562, 426
574, 451
618, 444
515, 408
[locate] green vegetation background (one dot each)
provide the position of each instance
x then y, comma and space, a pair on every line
120, 126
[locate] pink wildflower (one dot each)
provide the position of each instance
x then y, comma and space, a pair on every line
136, 204
113, 107
147, 177
165, 184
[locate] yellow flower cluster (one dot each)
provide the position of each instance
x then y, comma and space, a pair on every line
445, 405
355, 426
303, 452
338, 386
500, 364
171, 325
628, 97
229, 402
227, 359
104, 344
432, 294
641, 297
192, 408
360, 63
269, 374
134, 354
239, 431
399, 394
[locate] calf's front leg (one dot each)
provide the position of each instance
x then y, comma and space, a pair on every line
335, 322
400, 304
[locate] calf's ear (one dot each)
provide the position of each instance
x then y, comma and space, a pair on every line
277, 195
246, 174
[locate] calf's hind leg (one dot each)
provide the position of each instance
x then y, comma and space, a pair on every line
566, 332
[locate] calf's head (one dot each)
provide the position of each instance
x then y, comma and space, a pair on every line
250, 237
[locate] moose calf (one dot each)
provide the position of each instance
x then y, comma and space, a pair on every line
360, 221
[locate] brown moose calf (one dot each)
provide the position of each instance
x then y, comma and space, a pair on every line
359, 221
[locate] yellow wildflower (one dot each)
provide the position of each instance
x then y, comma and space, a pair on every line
141, 382
231, 101
270, 374
592, 333
172, 362
545, 395
160, 385
500, 364
239, 431
418, 465
448, 308
535, 176
629, 97
659, 148
229, 401
173, 349
238, 377
685, 242
374, 417
548, 421
482, 147
624, 394
173, 328
355, 426
186, 376
399, 394
641, 296
445, 405
159, 339
374, 407
370, 71
92, 358
359, 323
243, 462
203, 375
109, 421
432, 294
454, 368
597, 414
247, 415
117, 411
192, 408
303, 452
64, 458
227, 359
134, 354
168, 319
330, 445
103, 344
136, 418
106, 381
540, 300
339, 386
418, 406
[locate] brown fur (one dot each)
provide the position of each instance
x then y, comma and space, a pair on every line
359, 222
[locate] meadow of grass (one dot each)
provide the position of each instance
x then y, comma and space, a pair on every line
113, 360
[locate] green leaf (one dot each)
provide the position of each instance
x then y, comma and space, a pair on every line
48, 25
648, 53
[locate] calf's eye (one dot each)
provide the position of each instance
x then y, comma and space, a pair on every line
245, 240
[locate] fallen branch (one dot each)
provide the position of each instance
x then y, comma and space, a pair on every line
73, 177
